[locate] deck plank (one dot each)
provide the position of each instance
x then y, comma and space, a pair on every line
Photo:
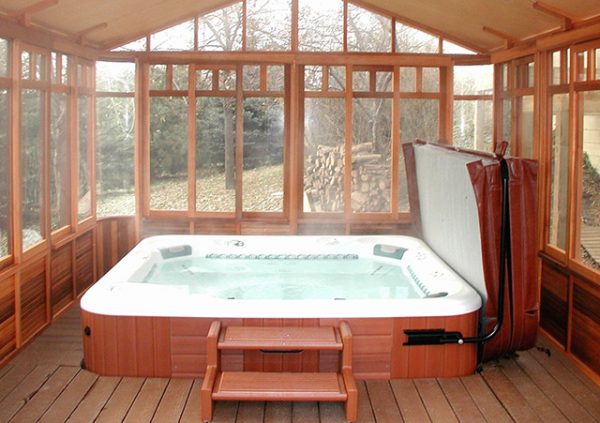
24, 391
70, 398
92, 404
484, 398
461, 402
435, 402
560, 396
537, 399
586, 394
365, 412
15, 374
251, 411
305, 412
120, 401
277, 412
532, 387
225, 412
46, 395
192, 409
173, 401
409, 401
383, 402
510, 397
146, 403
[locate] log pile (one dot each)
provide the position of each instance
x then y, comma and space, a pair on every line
324, 179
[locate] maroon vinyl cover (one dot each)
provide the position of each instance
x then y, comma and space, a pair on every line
521, 302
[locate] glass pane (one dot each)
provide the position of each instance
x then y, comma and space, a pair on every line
419, 119
473, 124
5, 247
275, 78
383, 82
557, 230
262, 177
221, 30
115, 126
137, 45
412, 40
337, 78
324, 126
360, 81
204, 80
408, 80
313, 78
3, 58
158, 77
531, 74
504, 72
451, 48
251, 81
371, 154
60, 168
31, 153
39, 67
555, 71
54, 65
180, 77
227, 79
474, 80
84, 206
25, 65
431, 80
269, 24
215, 154
115, 77
177, 38
507, 121
590, 196
597, 63
526, 129
321, 25
582, 64
168, 153
64, 71
368, 31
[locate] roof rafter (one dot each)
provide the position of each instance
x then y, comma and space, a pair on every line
509, 41
566, 18
24, 15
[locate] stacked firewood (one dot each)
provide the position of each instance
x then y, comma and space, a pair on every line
324, 179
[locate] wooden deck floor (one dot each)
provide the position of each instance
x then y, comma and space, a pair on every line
45, 383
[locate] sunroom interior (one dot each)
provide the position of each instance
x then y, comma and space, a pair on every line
120, 120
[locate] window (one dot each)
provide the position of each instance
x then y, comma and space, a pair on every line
84, 204
60, 187
3, 57
473, 87
268, 24
5, 169
368, 31
412, 40
321, 25
590, 178
177, 38
115, 124
221, 30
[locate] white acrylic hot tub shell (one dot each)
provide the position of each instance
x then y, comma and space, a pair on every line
115, 293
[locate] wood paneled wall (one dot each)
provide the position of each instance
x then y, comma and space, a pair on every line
570, 312
40, 287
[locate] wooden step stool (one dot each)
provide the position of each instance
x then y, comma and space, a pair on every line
279, 386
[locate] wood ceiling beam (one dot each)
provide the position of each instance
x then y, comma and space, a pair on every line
509, 41
79, 36
566, 18
24, 15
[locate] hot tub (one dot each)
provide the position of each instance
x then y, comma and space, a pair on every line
149, 315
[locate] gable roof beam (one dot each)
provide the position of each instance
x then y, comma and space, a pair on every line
509, 41
23, 15
79, 36
566, 18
